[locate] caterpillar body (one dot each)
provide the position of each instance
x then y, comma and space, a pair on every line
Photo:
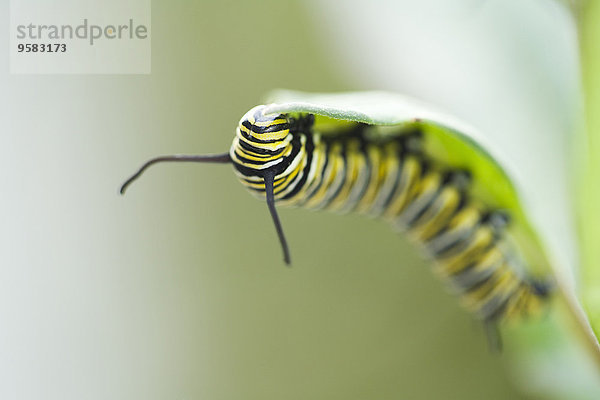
283, 159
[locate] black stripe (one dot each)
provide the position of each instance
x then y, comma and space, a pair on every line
468, 279
415, 218
255, 140
259, 150
459, 247
448, 181
368, 167
266, 129
309, 149
343, 179
391, 196
450, 246
253, 162
322, 173
493, 309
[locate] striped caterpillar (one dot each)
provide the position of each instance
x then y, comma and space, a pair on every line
281, 158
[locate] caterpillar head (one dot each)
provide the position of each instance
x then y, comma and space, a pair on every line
260, 151
261, 145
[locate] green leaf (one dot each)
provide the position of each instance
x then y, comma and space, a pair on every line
460, 146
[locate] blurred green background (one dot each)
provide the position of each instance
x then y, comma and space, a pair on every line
178, 290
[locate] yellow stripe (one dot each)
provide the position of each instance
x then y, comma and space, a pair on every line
391, 166
334, 165
375, 180
455, 263
250, 156
411, 169
354, 161
437, 216
315, 176
276, 135
500, 285
267, 146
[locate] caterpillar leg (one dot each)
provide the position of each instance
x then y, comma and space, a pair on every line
494, 338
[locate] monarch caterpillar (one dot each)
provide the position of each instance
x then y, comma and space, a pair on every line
281, 157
